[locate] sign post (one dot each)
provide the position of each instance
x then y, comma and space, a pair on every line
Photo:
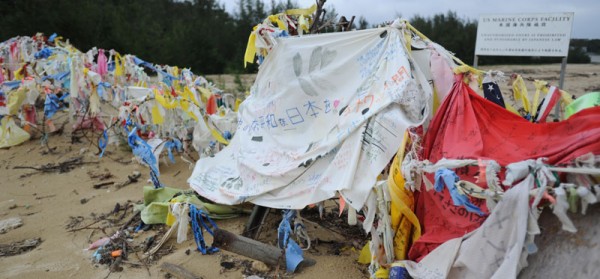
539, 34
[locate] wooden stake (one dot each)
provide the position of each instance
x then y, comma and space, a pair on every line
255, 221
247, 247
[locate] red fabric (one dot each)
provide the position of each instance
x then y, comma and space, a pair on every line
469, 127
30, 115
211, 105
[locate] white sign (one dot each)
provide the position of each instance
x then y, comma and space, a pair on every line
524, 34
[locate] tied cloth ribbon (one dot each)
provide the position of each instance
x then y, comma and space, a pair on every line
173, 144
293, 252
201, 220
448, 177
282, 21
143, 151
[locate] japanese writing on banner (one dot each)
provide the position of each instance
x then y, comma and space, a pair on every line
320, 120
524, 34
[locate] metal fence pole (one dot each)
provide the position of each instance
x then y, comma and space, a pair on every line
561, 84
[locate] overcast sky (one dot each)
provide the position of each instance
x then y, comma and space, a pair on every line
585, 25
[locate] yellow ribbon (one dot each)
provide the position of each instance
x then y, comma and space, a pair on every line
204, 94
19, 73
118, 65
238, 101
168, 102
185, 106
216, 134
157, 117
277, 19
304, 12
303, 24
510, 108
165, 100
404, 221
178, 87
140, 83
250, 48
408, 40
540, 87
187, 93
565, 98
520, 93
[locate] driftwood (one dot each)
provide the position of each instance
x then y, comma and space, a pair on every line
253, 249
320, 23
62, 167
19, 247
247, 247
88, 226
178, 271
349, 28
319, 14
100, 176
44, 197
344, 24
10, 224
132, 178
103, 184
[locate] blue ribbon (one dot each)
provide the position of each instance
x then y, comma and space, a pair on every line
198, 216
138, 62
143, 150
141, 227
170, 145
52, 37
167, 78
399, 272
448, 177
44, 53
51, 105
100, 88
103, 142
111, 66
59, 76
12, 84
293, 252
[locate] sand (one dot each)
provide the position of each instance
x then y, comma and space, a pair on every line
47, 201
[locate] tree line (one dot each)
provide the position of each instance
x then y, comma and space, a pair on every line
201, 34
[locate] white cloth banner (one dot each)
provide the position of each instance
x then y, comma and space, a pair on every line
326, 113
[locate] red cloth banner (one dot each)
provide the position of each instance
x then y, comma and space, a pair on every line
468, 126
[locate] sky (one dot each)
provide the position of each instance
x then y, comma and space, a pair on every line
585, 26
